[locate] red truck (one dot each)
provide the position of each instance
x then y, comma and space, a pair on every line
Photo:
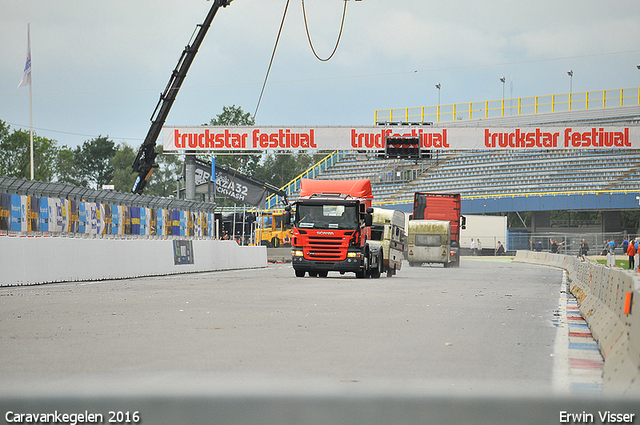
442, 207
332, 229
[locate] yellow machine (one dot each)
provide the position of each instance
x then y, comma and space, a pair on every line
272, 231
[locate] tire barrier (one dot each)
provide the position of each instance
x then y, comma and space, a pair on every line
605, 297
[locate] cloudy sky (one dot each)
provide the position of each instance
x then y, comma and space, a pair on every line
99, 66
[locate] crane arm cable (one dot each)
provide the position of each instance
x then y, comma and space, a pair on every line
273, 54
306, 26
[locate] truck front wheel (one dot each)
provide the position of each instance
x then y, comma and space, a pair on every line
300, 273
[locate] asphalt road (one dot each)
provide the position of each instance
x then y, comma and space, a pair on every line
485, 323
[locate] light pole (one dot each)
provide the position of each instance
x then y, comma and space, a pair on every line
503, 80
438, 110
570, 73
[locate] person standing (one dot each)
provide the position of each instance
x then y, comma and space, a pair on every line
479, 247
473, 247
636, 245
631, 252
584, 248
611, 258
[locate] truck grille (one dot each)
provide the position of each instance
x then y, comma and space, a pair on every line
326, 248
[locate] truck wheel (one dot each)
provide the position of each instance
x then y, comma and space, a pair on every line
391, 272
365, 272
375, 273
323, 273
299, 273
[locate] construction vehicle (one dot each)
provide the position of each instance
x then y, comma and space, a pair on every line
442, 207
387, 231
145, 160
332, 229
273, 230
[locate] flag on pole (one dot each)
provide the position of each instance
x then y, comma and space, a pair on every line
26, 76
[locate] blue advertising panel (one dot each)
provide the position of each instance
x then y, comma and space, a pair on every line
16, 213
44, 215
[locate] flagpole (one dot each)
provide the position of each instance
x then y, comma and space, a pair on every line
30, 102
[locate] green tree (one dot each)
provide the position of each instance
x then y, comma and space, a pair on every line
65, 167
279, 168
15, 155
163, 179
244, 162
93, 162
123, 179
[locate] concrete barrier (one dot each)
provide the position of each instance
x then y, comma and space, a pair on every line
605, 296
36, 260
279, 255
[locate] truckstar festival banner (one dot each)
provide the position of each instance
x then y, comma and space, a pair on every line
210, 138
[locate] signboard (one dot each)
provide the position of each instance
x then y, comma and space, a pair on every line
218, 138
230, 184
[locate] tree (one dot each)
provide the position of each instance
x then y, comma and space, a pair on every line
279, 168
93, 162
15, 155
123, 179
242, 161
65, 167
163, 179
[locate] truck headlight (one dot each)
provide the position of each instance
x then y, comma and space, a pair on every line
353, 254
296, 253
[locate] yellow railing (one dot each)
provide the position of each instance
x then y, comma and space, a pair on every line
294, 185
512, 107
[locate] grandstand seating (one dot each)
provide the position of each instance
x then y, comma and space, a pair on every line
516, 172
480, 173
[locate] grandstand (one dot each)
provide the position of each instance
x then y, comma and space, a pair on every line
487, 173
482, 173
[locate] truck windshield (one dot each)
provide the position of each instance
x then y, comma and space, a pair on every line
327, 216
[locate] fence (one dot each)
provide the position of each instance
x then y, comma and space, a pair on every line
512, 107
34, 208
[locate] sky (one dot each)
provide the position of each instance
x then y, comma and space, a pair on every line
98, 67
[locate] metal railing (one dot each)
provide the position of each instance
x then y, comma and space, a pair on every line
293, 186
564, 102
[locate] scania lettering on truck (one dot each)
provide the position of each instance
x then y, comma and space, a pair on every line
429, 242
388, 232
443, 207
332, 229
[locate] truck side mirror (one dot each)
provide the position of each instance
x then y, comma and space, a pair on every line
287, 215
463, 222
368, 219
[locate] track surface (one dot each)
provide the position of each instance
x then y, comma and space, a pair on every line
487, 322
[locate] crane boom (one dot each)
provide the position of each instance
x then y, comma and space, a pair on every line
145, 160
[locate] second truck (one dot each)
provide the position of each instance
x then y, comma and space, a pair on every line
332, 229
434, 229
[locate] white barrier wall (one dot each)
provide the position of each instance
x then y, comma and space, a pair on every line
35, 260
605, 296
